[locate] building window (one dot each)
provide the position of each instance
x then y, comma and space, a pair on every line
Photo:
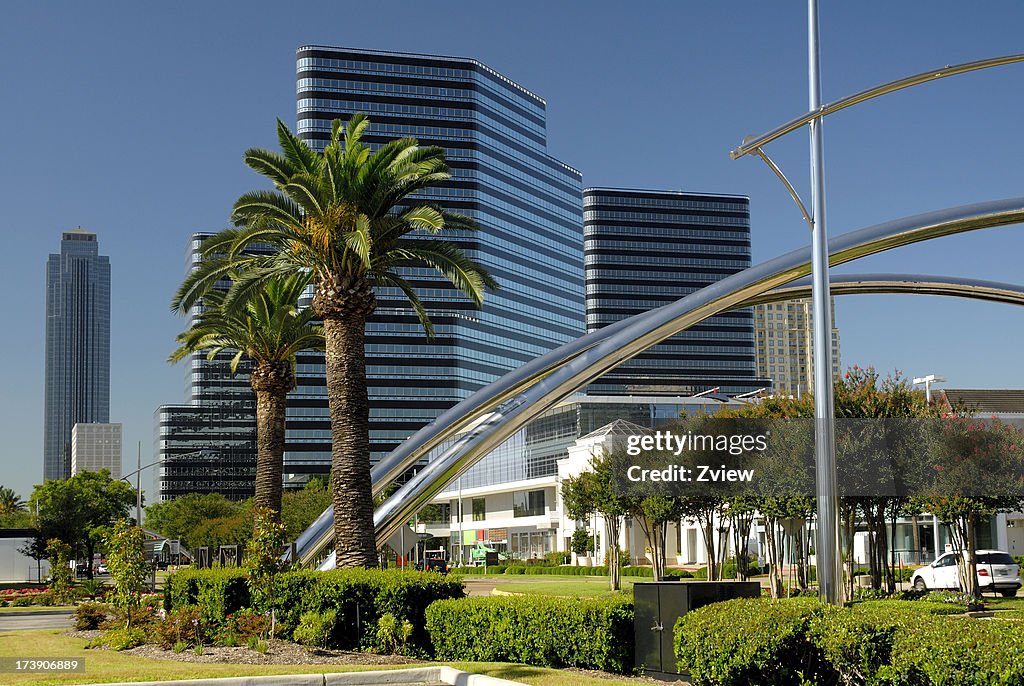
479, 509
527, 503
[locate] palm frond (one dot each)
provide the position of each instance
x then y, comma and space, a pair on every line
391, 279
262, 208
448, 259
270, 164
298, 154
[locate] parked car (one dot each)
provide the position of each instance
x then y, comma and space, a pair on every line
435, 561
997, 571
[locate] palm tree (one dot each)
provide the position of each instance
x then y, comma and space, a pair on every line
268, 328
10, 502
346, 217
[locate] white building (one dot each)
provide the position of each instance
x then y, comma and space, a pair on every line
95, 447
784, 345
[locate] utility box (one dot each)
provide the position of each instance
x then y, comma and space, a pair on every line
660, 603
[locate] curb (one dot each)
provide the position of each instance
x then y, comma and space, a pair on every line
417, 675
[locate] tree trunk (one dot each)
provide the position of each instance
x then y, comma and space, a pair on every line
612, 526
271, 382
771, 544
344, 302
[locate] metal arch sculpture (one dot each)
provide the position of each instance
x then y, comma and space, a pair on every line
845, 284
643, 331
536, 386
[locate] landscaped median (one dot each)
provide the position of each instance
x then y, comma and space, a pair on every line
895, 642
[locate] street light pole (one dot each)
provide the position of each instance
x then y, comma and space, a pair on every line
138, 488
828, 563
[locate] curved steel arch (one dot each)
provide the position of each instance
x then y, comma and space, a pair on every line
643, 331
755, 282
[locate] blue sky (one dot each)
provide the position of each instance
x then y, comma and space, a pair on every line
130, 119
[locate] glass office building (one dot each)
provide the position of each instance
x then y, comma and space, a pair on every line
528, 206
644, 249
208, 443
77, 367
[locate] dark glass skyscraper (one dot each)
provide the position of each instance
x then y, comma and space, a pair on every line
208, 444
644, 249
77, 346
527, 203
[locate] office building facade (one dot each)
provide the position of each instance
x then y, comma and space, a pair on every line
95, 447
785, 345
77, 366
644, 249
528, 206
208, 443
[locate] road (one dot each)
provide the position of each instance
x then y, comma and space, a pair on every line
38, 619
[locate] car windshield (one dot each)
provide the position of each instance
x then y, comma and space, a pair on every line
995, 559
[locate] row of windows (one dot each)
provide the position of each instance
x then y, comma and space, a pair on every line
684, 335
592, 229
647, 201
436, 73
537, 160
599, 243
707, 364
665, 260
483, 117
348, 86
594, 215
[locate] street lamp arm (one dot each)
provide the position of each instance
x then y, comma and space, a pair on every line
751, 144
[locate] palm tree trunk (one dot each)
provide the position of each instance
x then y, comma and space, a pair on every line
350, 446
271, 382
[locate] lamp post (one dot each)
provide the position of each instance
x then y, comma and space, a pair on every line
928, 381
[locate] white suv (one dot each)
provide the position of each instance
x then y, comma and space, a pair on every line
997, 571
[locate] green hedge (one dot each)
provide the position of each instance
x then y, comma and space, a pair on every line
591, 633
751, 641
891, 642
359, 598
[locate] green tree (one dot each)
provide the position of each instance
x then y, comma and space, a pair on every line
80, 510
126, 559
61, 577
346, 217
301, 507
594, 491
268, 328
263, 560
977, 469
199, 519
10, 502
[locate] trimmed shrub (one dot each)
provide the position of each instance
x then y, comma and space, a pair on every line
119, 639
592, 633
751, 641
960, 651
89, 616
217, 591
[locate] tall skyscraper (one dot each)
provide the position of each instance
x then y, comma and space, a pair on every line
644, 249
77, 367
785, 345
527, 203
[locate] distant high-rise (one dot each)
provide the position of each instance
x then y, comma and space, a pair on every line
785, 345
526, 202
95, 447
644, 249
77, 346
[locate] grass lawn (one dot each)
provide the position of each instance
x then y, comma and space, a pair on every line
109, 666
36, 608
574, 586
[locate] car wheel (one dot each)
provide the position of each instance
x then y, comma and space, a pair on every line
1009, 592
919, 584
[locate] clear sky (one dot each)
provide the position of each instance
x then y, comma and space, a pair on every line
130, 119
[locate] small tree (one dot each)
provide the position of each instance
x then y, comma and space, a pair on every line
263, 560
582, 541
126, 559
61, 581
592, 492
